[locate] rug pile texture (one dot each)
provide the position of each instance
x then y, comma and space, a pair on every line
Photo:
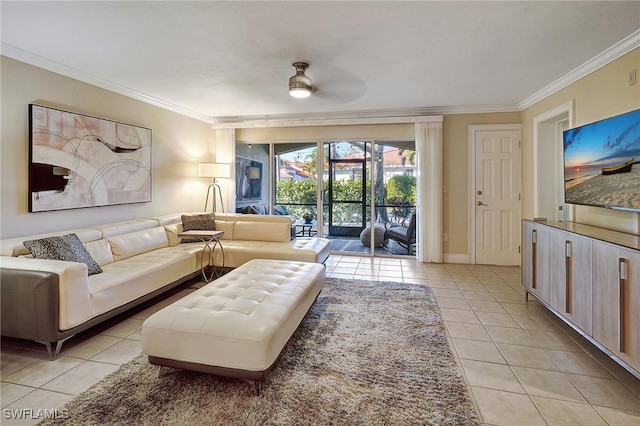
367, 353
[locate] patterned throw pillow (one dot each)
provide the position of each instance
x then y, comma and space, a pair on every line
197, 222
65, 247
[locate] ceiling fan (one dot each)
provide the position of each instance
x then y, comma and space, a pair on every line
342, 87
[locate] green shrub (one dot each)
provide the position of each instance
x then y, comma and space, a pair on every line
401, 192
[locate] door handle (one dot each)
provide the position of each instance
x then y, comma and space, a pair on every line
480, 203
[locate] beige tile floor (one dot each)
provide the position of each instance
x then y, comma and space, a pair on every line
522, 365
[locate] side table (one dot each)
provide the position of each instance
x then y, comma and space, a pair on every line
211, 240
306, 227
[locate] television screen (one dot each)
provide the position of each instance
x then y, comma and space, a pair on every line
602, 163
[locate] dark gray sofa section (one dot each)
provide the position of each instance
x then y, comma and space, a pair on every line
30, 303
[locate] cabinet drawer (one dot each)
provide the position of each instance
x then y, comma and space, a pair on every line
616, 301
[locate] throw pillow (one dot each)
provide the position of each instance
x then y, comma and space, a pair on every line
197, 222
65, 247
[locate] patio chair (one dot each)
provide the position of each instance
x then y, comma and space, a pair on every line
405, 236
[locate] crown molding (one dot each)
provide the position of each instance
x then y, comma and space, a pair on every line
67, 71
310, 122
387, 116
619, 49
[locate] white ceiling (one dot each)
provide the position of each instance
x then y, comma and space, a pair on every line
221, 60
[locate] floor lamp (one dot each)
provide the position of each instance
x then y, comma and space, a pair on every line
214, 171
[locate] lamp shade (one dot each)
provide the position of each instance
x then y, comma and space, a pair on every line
214, 170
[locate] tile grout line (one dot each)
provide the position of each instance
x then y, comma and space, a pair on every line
545, 354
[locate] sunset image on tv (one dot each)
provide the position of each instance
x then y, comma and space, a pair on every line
602, 163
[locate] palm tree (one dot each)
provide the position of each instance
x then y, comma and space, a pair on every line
312, 162
380, 189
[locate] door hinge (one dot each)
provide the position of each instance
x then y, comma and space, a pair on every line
519, 144
519, 197
518, 249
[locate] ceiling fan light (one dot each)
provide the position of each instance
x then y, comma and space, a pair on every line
300, 92
300, 84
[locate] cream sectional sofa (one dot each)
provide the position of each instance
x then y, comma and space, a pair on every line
49, 301
248, 237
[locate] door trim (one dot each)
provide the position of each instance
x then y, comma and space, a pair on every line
563, 111
471, 226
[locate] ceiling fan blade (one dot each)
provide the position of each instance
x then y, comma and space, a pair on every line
337, 85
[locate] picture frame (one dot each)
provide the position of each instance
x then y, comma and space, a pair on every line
248, 179
79, 161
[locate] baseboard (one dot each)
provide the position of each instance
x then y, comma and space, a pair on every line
456, 258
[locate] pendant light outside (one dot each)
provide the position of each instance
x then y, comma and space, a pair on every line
300, 84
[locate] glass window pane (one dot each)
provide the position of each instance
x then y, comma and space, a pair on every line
396, 190
296, 182
347, 150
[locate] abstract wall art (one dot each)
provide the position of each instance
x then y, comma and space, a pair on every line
248, 179
78, 161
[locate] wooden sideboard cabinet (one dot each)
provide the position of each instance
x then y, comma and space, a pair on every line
590, 278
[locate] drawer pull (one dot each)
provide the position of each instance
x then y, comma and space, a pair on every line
534, 258
568, 251
622, 303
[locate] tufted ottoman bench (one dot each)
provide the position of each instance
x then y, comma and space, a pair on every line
237, 325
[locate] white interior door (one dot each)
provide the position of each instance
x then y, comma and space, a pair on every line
497, 197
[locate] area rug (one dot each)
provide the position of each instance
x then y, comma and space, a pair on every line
367, 353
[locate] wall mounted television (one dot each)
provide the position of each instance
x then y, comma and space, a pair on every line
602, 163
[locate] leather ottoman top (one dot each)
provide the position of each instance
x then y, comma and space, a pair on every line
241, 320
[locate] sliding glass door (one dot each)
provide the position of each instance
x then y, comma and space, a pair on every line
347, 188
396, 195
353, 191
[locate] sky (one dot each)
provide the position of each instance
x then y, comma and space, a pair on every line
303, 154
604, 143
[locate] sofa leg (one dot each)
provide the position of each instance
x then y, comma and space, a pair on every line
53, 354
258, 387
